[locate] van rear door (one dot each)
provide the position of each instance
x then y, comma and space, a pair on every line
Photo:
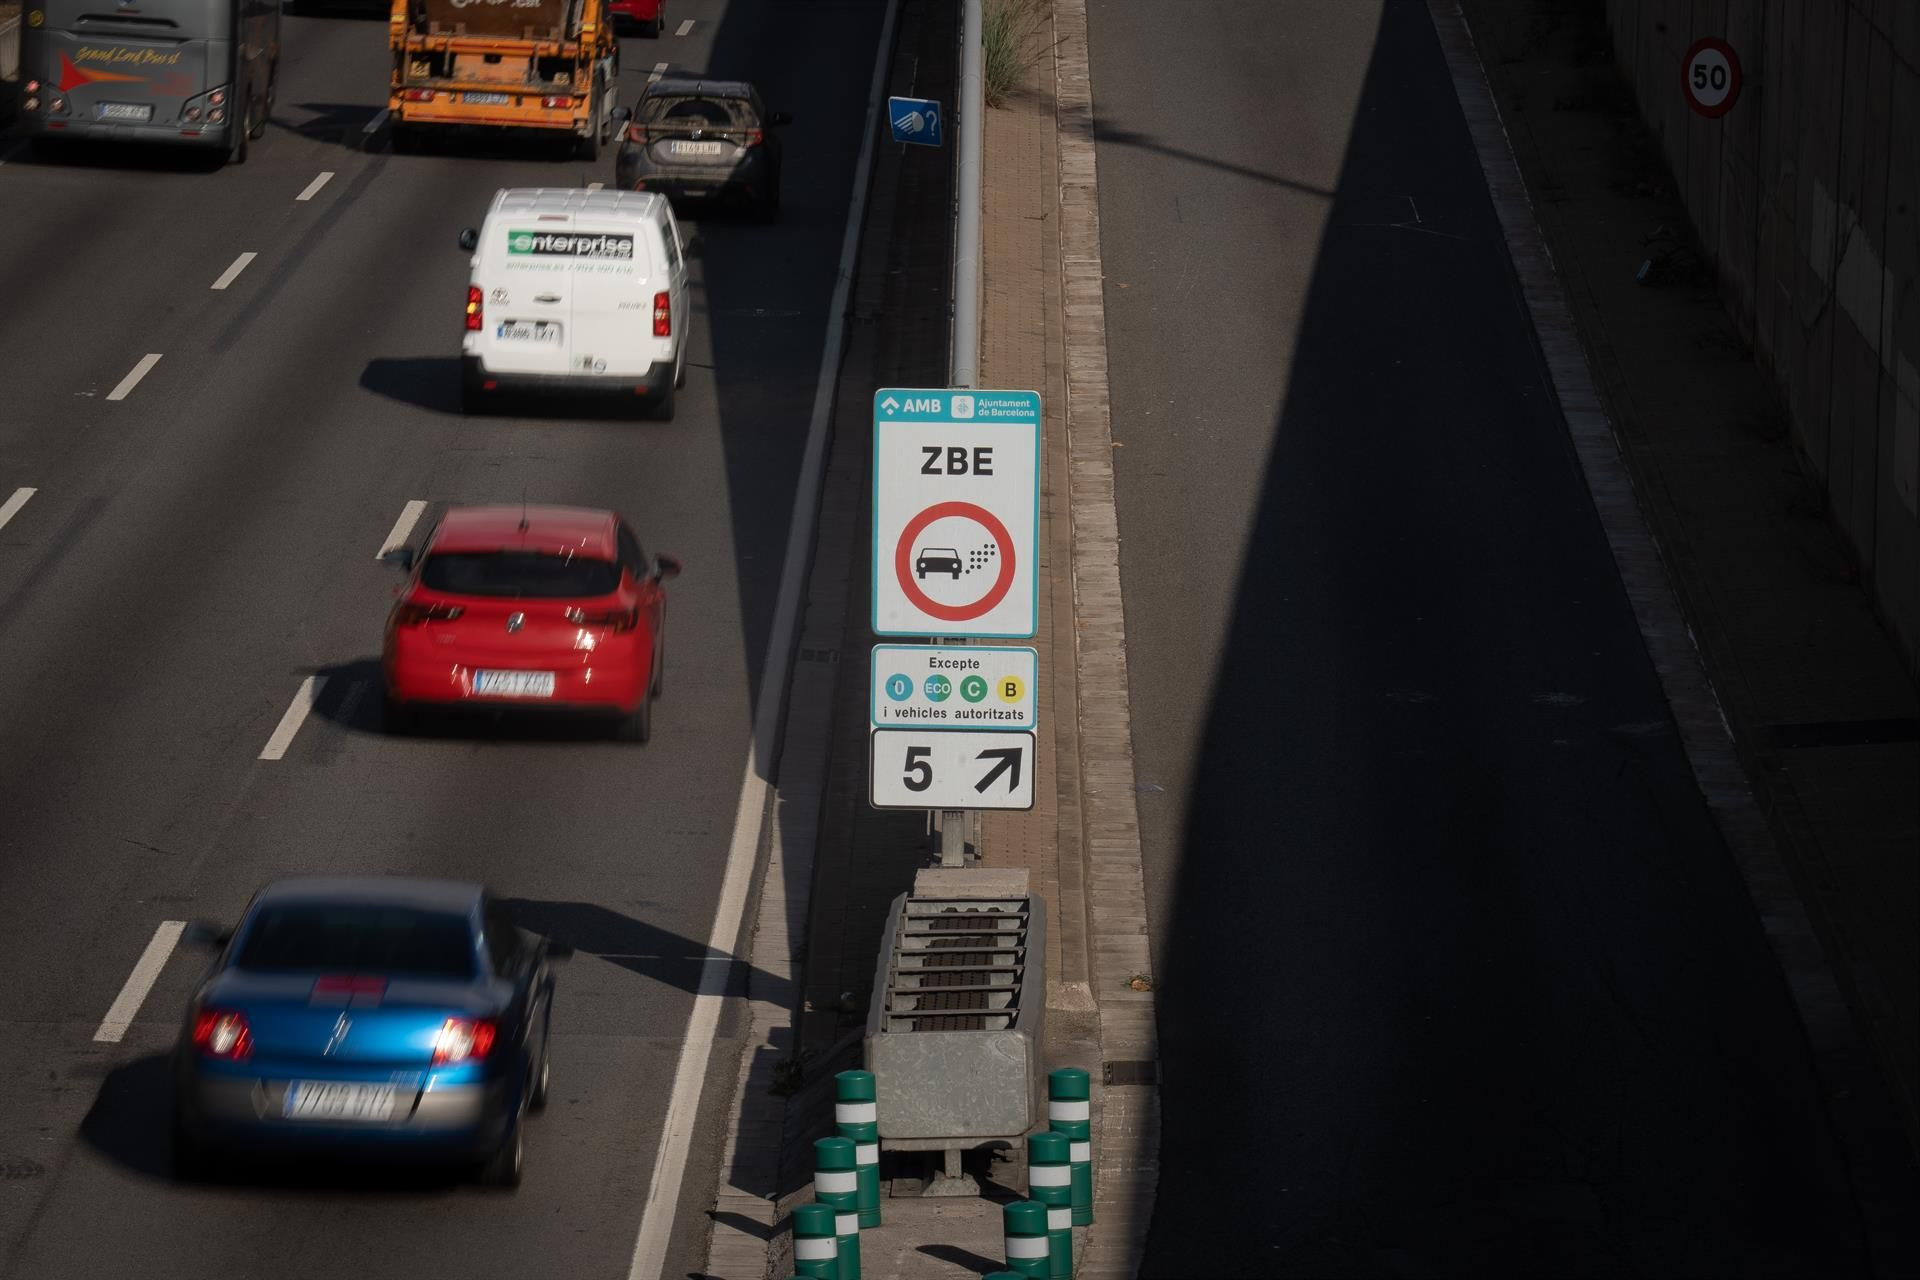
526, 281
613, 290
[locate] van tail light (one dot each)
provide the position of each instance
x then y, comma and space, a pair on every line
463, 1040
412, 613
662, 316
559, 102
755, 137
417, 95
473, 308
618, 619
638, 133
222, 1033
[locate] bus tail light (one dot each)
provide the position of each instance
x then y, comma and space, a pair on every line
662, 316
474, 307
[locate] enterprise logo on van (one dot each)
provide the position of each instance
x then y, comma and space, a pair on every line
565, 245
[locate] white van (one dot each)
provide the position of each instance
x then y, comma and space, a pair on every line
576, 290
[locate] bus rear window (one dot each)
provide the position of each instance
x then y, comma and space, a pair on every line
525, 574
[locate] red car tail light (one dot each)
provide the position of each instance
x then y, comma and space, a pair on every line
413, 614
755, 137
662, 316
638, 133
474, 308
222, 1033
618, 619
463, 1040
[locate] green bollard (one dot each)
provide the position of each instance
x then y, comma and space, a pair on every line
816, 1252
856, 1116
1025, 1224
1070, 1111
1001, 1275
836, 1184
1050, 1181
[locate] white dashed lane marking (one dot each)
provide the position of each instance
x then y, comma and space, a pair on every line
127, 1004
11, 507
685, 27
397, 538
228, 276
132, 380
313, 188
295, 717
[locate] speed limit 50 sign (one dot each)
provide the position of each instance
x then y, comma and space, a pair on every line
1712, 77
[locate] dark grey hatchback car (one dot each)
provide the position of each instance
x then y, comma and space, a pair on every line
702, 139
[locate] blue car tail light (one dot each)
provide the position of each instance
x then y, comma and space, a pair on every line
222, 1033
464, 1040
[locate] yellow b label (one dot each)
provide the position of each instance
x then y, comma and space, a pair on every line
1011, 688
35, 17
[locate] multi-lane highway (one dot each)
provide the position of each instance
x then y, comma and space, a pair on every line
225, 389
1499, 1002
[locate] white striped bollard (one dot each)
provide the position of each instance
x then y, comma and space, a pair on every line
1025, 1225
1050, 1181
1070, 1111
816, 1251
856, 1115
836, 1185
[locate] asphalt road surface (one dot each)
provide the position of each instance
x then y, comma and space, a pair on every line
1456, 976
198, 548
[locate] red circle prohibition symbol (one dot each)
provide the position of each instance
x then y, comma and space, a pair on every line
903, 561
1732, 86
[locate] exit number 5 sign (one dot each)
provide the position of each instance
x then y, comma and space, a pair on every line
956, 512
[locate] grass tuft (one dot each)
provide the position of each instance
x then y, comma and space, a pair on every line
1006, 43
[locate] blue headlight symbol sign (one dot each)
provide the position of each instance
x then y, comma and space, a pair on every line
916, 120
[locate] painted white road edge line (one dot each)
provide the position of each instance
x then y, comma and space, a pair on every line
232, 273
295, 717
313, 188
696, 1050
685, 27
409, 517
147, 968
11, 507
132, 380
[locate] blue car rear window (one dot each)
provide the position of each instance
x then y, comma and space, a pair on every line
358, 939
527, 574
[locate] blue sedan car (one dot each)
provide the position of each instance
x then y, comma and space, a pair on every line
403, 1017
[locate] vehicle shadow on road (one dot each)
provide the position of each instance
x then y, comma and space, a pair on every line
633, 945
351, 698
131, 1124
433, 383
343, 124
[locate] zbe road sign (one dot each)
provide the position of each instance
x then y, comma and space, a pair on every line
949, 769
956, 512
984, 687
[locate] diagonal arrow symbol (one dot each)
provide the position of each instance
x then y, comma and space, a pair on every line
1009, 758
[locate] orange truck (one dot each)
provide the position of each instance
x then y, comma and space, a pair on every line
539, 66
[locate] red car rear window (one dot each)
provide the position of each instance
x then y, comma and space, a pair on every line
525, 574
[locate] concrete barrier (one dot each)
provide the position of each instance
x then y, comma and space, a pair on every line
1805, 198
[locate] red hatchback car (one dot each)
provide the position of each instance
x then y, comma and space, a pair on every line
650, 14
529, 607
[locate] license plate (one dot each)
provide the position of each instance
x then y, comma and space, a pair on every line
329, 1100
487, 99
527, 331
694, 148
135, 112
513, 684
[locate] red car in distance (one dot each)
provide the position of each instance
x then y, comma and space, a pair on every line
513, 606
651, 15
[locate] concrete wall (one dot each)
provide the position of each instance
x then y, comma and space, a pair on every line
1806, 198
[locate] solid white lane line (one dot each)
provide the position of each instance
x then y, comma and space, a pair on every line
313, 188
11, 507
690, 1074
228, 276
685, 27
296, 716
409, 517
132, 380
120, 1016
659, 69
